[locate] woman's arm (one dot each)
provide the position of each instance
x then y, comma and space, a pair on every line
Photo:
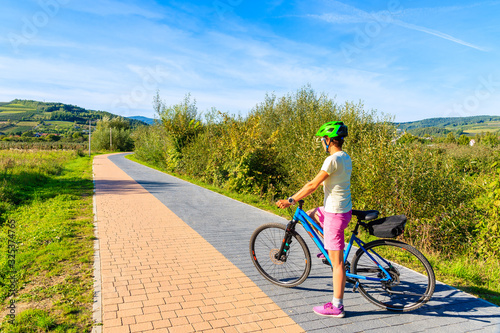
308, 188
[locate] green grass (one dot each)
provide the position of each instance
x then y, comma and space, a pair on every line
15, 108
477, 277
491, 126
66, 124
15, 129
472, 275
16, 105
49, 196
27, 123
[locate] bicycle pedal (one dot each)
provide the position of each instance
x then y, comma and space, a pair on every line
326, 262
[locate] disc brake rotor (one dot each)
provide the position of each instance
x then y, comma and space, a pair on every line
272, 255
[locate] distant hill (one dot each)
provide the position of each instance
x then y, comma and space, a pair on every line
19, 116
447, 122
146, 120
442, 126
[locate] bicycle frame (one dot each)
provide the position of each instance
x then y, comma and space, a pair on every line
301, 217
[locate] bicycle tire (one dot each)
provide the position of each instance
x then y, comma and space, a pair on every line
410, 288
265, 243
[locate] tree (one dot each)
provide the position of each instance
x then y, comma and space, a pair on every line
53, 137
450, 138
77, 136
181, 124
181, 121
407, 138
112, 131
490, 139
463, 140
27, 134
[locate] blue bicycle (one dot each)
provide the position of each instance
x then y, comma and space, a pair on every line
389, 273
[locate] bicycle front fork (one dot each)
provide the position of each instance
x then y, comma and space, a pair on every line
287, 241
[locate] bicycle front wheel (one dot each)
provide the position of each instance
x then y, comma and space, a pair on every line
291, 271
411, 282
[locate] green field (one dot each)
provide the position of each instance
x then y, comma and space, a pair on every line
46, 208
60, 123
492, 126
27, 123
15, 108
3, 112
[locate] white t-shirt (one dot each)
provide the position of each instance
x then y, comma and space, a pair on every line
337, 186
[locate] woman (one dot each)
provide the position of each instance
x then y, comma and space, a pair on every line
336, 212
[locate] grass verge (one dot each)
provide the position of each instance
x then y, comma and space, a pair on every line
47, 212
472, 275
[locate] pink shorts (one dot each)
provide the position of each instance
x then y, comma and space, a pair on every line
333, 225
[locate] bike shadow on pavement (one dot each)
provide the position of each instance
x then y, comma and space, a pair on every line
447, 302
450, 302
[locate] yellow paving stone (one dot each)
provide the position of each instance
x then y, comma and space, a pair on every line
152, 283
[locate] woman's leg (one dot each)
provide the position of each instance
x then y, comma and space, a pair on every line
338, 273
315, 215
334, 225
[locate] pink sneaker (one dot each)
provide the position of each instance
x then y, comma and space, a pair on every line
329, 310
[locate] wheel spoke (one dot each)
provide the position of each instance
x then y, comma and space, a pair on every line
405, 289
265, 244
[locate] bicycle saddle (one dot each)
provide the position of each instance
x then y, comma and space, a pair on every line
366, 215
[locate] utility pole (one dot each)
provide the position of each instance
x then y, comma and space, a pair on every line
110, 140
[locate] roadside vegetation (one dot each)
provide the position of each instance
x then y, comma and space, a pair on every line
46, 211
450, 192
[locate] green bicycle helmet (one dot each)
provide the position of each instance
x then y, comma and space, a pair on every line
333, 129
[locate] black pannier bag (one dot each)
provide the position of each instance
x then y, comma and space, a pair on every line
387, 227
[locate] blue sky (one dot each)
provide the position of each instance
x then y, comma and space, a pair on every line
412, 60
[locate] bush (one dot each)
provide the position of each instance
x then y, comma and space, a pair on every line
407, 138
151, 144
181, 125
112, 134
463, 140
273, 152
488, 228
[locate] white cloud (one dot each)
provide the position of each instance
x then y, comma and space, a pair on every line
355, 15
229, 66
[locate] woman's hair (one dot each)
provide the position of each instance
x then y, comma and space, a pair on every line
338, 142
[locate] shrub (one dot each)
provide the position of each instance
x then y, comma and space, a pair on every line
273, 152
463, 140
488, 228
112, 134
151, 144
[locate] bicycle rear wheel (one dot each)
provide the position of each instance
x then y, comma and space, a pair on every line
265, 243
412, 278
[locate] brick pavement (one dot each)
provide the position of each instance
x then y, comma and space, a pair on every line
228, 224
160, 275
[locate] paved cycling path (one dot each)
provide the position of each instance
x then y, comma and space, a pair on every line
174, 258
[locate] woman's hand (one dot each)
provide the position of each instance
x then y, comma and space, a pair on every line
283, 203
